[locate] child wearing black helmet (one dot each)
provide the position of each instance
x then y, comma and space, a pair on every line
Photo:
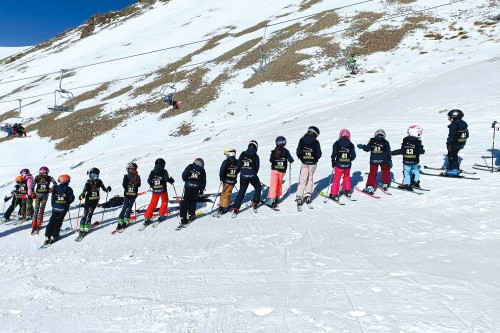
131, 183
91, 193
309, 153
280, 156
249, 164
457, 138
158, 179
195, 180
380, 155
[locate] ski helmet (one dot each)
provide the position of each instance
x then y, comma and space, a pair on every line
230, 152
415, 131
24, 172
43, 171
281, 141
253, 144
313, 130
19, 179
345, 133
380, 132
94, 173
199, 162
131, 167
64, 179
160, 162
455, 113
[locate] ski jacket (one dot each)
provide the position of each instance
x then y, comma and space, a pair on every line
91, 190
229, 170
458, 133
380, 150
42, 184
194, 177
280, 163
15, 193
158, 179
249, 164
343, 153
62, 197
130, 189
28, 180
411, 149
309, 150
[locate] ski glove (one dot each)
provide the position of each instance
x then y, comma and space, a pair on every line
171, 180
390, 164
32, 196
360, 146
108, 189
80, 197
6, 199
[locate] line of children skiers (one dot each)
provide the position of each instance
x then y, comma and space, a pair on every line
247, 166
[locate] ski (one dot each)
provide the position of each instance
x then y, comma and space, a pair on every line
368, 194
44, 246
443, 169
310, 206
95, 224
483, 167
406, 190
81, 236
379, 186
338, 202
441, 175
414, 188
235, 214
299, 208
143, 226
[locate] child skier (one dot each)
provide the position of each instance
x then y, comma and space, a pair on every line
228, 174
249, 164
457, 138
411, 149
15, 194
42, 190
62, 197
158, 179
27, 196
343, 154
195, 180
280, 156
309, 153
131, 183
91, 193
380, 154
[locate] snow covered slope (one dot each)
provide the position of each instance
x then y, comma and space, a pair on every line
403, 263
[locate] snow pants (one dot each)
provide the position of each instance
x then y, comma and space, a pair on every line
339, 174
188, 203
88, 211
243, 190
453, 158
55, 223
128, 204
372, 176
40, 202
225, 195
26, 206
408, 171
154, 202
276, 185
306, 180
15, 202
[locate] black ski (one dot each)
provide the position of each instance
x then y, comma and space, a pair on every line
483, 167
443, 169
441, 175
406, 190
414, 188
81, 236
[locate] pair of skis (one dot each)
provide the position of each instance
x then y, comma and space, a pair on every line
461, 175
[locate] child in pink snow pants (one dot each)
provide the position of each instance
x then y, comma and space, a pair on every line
343, 154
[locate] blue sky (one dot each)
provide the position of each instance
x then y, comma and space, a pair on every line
30, 22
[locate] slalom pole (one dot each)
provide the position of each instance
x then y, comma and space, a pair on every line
178, 201
289, 189
3, 210
71, 224
218, 194
495, 128
329, 186
135, 212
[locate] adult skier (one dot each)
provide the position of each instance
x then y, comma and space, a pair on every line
380, 155
309, 152
62, 197
249, 164
458, 133
343, 153
228, 175
91, 194
158, 179
43, 184
131, 183
279, 158
195, 181
411, 149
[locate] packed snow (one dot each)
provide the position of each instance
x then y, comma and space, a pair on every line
402, 263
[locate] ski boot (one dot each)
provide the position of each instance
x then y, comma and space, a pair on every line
333, 197
308, 198
406, 187
384, 186
369, 190
52, 240
415, 184
47, 241
120, 224
184, 221
347, 193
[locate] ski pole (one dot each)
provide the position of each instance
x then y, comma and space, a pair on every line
135, 212
102, 217
3, 210
218, 193
178, 201
289, 180
71, 224
78, 216
494, 125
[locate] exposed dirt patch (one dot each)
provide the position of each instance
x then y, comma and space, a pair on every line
237, 51
256, 27
391, 2
323, 21
362, 21
183, 130
306, 4
118, 93
384, 39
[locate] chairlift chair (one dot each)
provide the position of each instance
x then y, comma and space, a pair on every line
352, 68
63, 94
169, 98
262, 62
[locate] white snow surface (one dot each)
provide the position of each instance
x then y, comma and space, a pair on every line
403, 263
